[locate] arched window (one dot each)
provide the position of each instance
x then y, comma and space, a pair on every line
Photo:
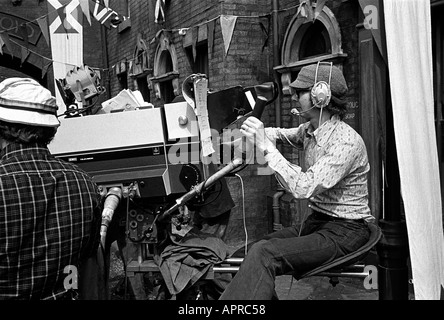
315, 41
166, 74
306, 42
141, 67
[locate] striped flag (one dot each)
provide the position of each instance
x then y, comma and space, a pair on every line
105, 15
65, 20
159, 12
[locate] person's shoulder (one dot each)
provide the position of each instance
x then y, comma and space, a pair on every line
348, 134
347, 129
73, 168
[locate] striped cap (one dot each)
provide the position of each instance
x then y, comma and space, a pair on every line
25, 101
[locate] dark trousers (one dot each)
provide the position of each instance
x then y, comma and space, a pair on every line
322, 239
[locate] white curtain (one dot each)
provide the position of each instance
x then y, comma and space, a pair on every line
409, 49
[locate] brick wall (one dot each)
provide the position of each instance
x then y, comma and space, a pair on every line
41, 52
11, 62
245, 64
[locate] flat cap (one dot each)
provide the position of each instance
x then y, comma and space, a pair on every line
307, 75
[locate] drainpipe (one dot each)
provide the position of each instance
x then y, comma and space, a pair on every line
276, 210
276, 61
106, 59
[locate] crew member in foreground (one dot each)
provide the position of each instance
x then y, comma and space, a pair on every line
50, 210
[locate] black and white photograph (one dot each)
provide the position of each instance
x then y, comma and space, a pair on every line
221, 158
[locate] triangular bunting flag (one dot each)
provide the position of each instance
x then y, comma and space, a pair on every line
319, 6
266, 32
210, 30
1, 45
159, 12
25, 53
43, 24
310, 11
45, 67
24, 33
5, 38
306, 10
130, 66
194, 34
301, 9
84, 4
227, 24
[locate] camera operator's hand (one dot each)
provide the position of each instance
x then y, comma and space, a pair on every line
253, 130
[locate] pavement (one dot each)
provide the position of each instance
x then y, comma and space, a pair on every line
287, 288
320, 288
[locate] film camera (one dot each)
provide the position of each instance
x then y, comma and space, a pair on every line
146, 157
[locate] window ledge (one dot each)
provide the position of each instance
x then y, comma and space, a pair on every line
297, 65
286, 70
165, 77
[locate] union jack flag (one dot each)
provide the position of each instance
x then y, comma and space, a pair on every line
64, 16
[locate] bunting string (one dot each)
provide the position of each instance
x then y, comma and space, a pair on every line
49, 13
3, 33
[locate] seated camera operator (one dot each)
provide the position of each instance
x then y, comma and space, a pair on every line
335, 184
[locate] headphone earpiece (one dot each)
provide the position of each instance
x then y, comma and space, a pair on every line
321, 92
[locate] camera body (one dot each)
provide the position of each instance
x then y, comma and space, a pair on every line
152, 153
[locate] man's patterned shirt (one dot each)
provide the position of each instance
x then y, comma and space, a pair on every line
335, 181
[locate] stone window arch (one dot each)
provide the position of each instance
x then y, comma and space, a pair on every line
165, 78
307, 41
140, 69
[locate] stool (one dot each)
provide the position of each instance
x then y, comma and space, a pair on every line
345, 266
348, 266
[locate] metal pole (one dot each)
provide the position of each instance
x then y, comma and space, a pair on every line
393, 249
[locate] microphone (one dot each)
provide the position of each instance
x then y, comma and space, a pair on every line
111, 202
295, 111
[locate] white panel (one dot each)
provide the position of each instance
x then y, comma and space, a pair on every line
173, 112
109, 131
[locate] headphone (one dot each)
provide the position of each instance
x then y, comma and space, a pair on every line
321, 92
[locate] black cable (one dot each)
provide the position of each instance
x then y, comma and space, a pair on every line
207, 203
76, 112
240, 168
141, 207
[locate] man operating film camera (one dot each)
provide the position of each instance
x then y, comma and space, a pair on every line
126, 151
